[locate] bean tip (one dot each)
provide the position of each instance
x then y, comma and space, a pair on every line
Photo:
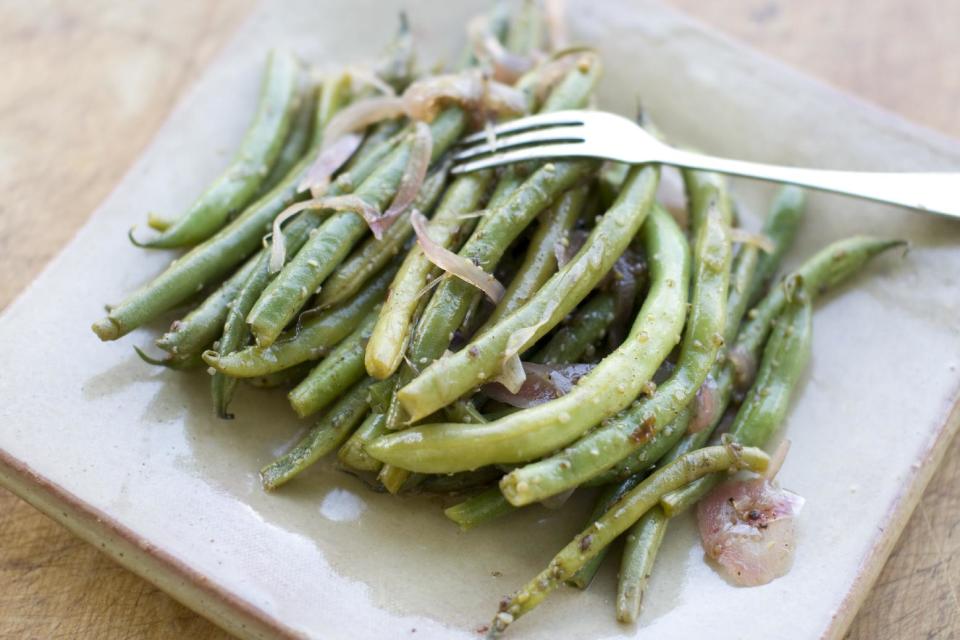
106, 329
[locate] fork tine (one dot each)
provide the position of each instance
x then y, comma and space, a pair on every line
538, 136
543, 152
554, 118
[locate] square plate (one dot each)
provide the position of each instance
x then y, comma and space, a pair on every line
130, 458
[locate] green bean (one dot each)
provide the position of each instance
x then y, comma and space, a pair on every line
752, 269
389, 338
585, 328
300, 138
380, 133
337, 234
328, 433
175, 362
527, 434
236, 334
373, 254
639, 553
353, 453
286, 378
607, 498
645, 457
453, 375
632, 428
451, 483
315, 336
784, 359
396, 63
483, 507
201, 327
610, 179
394, 479
525, 36
335, 93
338, 371
259, 150
506, 183
780, 227
228, 247
540, 261
624, 513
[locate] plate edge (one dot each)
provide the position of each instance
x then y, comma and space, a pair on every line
125, 547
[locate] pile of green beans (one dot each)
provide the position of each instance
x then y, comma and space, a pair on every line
405, 370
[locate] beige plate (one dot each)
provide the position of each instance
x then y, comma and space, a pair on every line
129, 457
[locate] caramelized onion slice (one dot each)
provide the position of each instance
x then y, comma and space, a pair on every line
413, 177
748, 527
361, 114
758, 240
542, 383
452, 263
331, 203
329, 160
470, 89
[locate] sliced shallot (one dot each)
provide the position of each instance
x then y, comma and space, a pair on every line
424, 98
361, 114
758, 240
542, 384
452, 263
748, 527
507, 66
624, 287
335, 203
330, 159
706, 406
413, 177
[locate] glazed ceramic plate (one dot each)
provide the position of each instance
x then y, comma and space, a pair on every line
129, 457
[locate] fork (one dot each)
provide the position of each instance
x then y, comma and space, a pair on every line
597, 134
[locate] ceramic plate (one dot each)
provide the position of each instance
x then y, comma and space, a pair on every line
130, 458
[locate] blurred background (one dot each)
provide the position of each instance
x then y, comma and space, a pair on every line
85, 86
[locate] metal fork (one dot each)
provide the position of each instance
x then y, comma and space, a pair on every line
596, 134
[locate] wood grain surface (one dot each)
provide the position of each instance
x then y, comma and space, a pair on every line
86, 85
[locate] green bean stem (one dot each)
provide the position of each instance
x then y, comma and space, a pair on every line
328, 433
620, 517
622, 435
611, 385
338, 371
261, 146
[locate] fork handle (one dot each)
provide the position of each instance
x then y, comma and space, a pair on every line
934, 192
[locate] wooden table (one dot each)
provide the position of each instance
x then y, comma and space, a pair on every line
86, 85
